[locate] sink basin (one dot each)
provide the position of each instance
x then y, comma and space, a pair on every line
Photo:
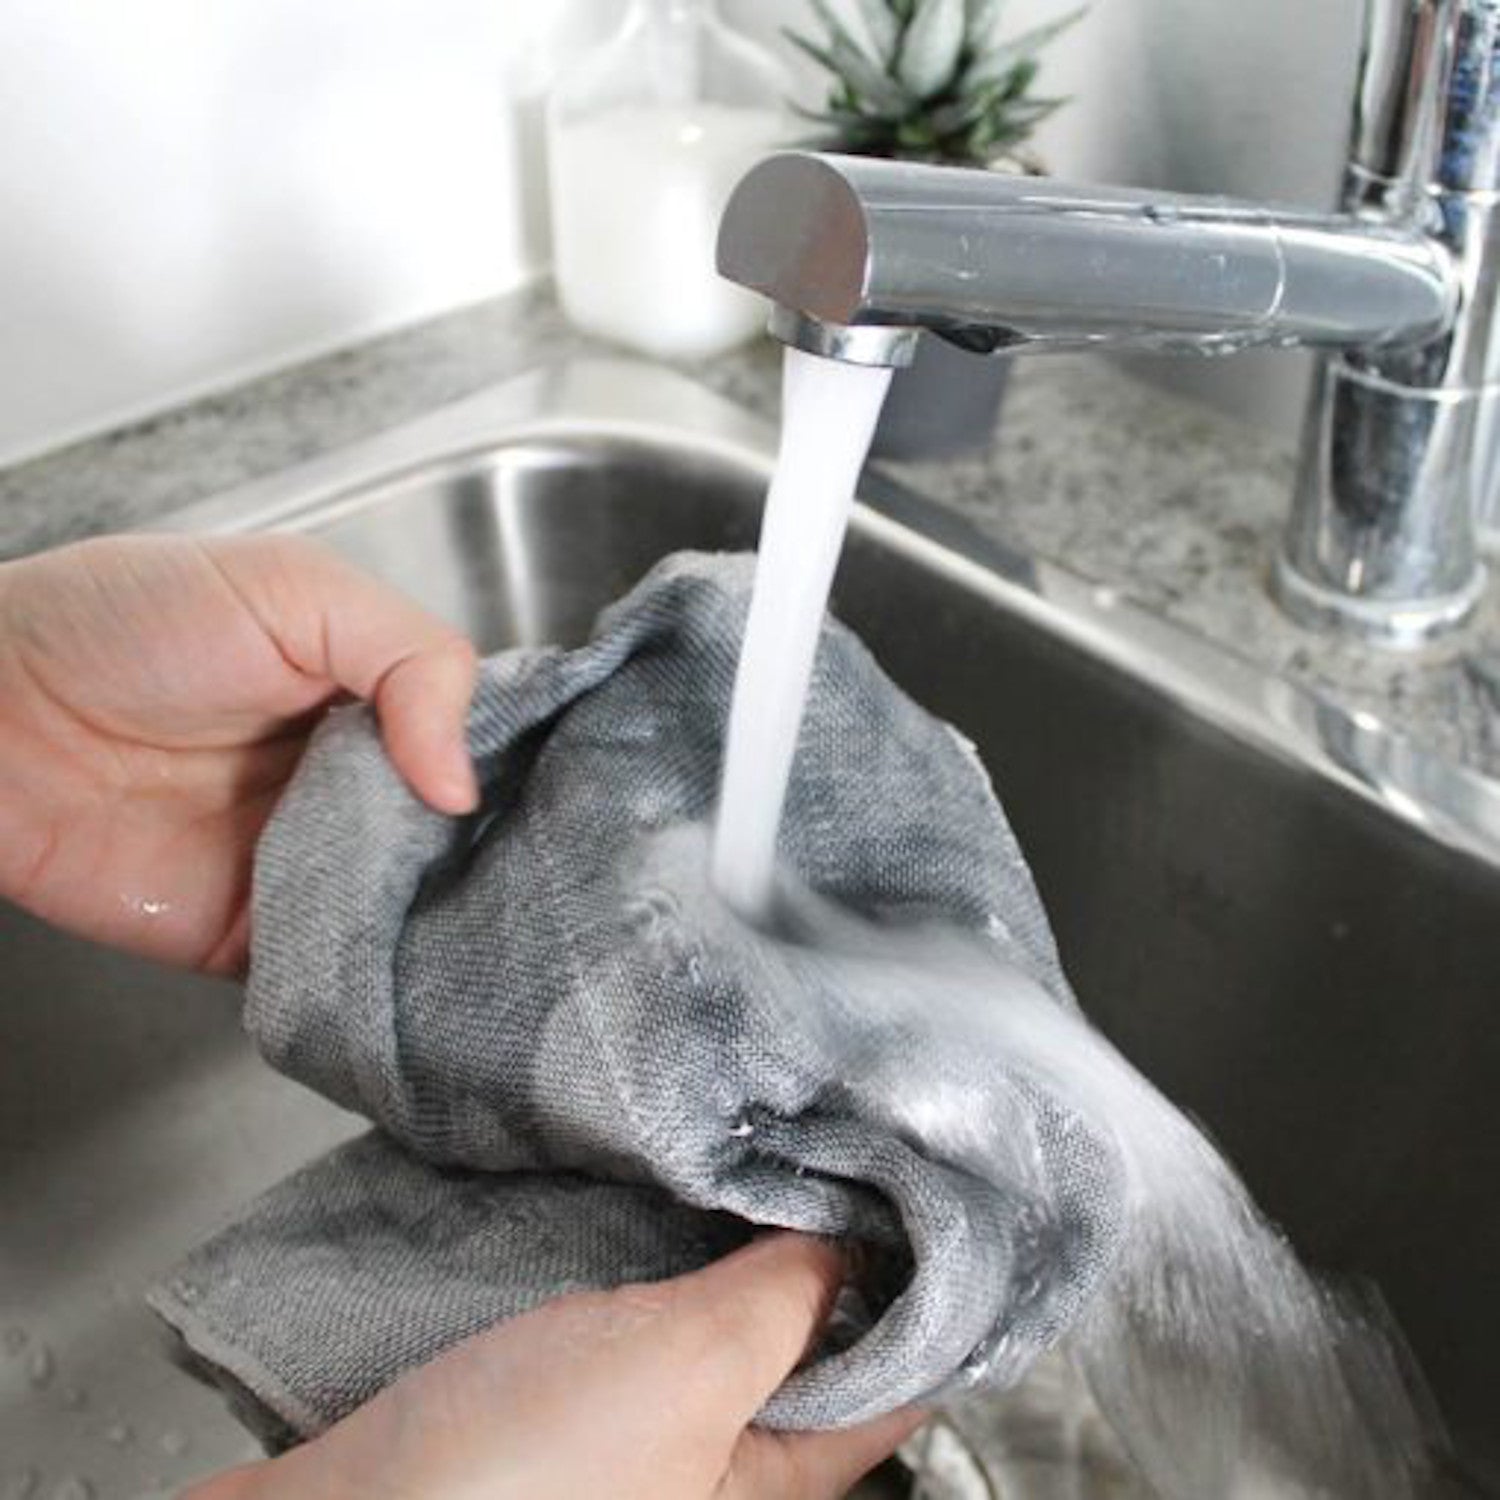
1287, 918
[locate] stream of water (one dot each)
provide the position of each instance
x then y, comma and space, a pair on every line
829, 411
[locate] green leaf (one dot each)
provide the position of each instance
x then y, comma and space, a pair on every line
884, 92
996, 61
819, 54
983, 139
1017, 123
1013, 85
932, 46
1029, 111
914, 135
983, 22
839, 35
835, 116
851, 132
883, 23
843, 57
963, 112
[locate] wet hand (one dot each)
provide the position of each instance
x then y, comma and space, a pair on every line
156, 695
646, 1393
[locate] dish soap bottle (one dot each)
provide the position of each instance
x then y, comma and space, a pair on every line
646, 140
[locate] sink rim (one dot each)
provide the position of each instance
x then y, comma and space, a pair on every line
599, 400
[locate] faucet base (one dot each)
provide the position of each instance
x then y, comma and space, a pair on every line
1396, 624
1382, 540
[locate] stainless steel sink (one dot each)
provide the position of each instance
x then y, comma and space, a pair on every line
1289, 919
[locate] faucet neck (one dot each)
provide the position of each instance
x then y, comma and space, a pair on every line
1403, 69
1466, 145
1427, 113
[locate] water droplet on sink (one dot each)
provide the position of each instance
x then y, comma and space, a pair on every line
1163, 213
41, 1367
121, 1434
174, 1444
20, 1485
13, 1340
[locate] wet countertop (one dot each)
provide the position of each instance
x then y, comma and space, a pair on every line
1174, 506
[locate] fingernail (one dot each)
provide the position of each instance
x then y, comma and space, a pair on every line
462, 792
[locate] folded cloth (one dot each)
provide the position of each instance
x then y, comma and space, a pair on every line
585, 1072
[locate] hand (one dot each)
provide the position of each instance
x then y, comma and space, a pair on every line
155, 696
645, 1393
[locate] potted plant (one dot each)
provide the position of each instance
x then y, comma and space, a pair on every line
933, 81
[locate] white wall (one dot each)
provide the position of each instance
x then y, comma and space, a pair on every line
195, 190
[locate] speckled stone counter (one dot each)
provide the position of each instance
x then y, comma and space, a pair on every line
1172, 505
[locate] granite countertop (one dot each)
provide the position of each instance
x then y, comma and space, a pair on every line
1174, 506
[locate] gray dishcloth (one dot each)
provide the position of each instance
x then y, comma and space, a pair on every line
290, 1312
584, 1075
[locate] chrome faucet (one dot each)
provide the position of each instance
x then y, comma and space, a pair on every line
862, 257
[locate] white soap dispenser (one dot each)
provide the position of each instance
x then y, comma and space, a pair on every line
646, 139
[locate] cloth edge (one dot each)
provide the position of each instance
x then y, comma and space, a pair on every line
212, 1356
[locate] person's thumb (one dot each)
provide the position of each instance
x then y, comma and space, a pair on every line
749, 1320
338, 625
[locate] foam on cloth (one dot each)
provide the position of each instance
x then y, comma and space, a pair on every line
586, 1070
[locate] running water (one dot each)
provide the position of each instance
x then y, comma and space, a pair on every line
829, 410
1225, 1368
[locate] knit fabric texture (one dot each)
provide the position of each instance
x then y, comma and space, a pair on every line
583, 1071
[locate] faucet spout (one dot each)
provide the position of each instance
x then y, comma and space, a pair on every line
997, 262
